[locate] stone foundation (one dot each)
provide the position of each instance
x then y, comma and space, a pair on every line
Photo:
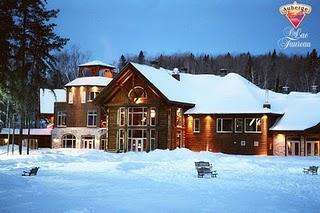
78, 132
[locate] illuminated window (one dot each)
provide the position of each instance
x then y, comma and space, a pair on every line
179, 117
70, 100
92, 119
153, 115
137, 95
256, 143
196, 125
252, 125
224, 125
238, 125
61, 119
83, 97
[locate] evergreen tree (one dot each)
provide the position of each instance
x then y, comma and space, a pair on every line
122, 62
6, 34
141, 58
30, 44
249, 68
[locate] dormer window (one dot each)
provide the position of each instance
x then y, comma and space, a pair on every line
137, 95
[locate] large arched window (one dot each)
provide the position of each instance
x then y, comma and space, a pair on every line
69, 141
137, 95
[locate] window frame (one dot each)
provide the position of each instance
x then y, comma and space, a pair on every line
222, 131
95, 117
153, 118
83, 97
179, 118
235, 125
153, 140
256, 128
194, 125
144, 112
70, 97
95, 94
60, 116
122, 111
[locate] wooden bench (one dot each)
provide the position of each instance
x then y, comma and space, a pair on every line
313, 170
32, 172
204, 168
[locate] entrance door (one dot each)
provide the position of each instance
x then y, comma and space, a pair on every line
88, 143
293, 148
312, 148
137, 144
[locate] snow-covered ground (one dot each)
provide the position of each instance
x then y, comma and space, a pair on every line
160, 181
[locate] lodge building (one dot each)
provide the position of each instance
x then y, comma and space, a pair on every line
143, 108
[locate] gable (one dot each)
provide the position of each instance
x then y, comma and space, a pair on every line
134, 89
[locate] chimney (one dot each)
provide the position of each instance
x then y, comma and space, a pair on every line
314, 89
285, 89
223, 72
266, 101
176, 74
155, 64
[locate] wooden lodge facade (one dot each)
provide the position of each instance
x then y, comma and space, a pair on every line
145, 108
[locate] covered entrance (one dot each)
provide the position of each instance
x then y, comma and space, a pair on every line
137, 140
136, 145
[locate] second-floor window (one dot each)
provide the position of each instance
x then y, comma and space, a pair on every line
137, 116
83, 97
70, 101
179, 117
153, 115
61, 119
196, 125
92, 95
92, 119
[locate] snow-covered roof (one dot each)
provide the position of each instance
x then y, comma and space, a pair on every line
233, 94
96, 63
90, 81
48, 97
301, 111
45, 131
210, 93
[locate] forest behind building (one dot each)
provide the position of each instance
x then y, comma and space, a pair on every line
271, 71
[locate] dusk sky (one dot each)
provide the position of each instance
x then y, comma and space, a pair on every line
110, 28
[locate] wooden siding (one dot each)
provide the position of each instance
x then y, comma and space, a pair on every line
77, 111
209, 139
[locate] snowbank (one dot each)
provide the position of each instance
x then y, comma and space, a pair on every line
160, 181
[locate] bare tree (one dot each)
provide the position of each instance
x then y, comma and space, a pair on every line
68, 61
